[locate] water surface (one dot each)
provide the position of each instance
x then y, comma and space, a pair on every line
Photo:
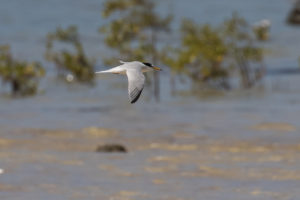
241, 145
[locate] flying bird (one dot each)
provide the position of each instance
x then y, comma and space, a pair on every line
136, 79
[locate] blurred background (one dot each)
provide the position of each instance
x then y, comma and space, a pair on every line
220, 122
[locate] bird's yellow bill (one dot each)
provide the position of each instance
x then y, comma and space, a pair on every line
157, 68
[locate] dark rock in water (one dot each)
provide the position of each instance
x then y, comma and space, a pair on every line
111, 148
294, 16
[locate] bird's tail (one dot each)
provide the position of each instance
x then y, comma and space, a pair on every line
103, 72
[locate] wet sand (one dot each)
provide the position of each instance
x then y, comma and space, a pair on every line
237, 146
63, 164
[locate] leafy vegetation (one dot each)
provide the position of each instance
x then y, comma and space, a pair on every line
23, 77
243, 50
211, 55
200, 54
133, 31
208, 55
70, 63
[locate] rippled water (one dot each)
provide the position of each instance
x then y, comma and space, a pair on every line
242, 145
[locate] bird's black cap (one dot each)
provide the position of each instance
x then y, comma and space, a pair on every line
148, 64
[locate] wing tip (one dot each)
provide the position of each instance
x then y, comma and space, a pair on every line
136, 98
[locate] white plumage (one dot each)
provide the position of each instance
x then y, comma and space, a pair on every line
136, 79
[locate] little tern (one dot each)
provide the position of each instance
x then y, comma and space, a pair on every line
136, 79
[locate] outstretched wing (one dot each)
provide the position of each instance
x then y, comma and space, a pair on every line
136, 81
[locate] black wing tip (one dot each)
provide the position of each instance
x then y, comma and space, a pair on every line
136, 98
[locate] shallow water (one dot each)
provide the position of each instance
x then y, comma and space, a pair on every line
242, 145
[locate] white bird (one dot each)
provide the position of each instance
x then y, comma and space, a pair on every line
136, 79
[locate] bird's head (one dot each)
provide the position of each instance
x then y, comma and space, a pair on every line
149, 65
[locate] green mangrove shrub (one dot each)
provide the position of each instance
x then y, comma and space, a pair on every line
23, 77
201, 54
211, 55
244, 51
69, 63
